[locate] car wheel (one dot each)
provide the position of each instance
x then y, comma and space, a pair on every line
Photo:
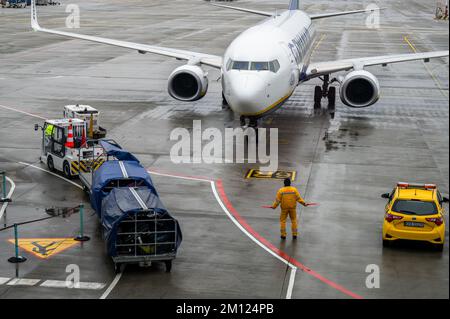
66, 170
439, 247
386, 243
50, 164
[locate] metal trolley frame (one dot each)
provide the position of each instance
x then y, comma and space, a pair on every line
137, 241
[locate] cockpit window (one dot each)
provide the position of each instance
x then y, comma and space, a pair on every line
274, 66
229, 63
240, 65
260, 66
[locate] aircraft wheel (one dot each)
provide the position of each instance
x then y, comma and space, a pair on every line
317, 94
331, 98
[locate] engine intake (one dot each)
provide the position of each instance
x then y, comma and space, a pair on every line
359, 89
188, 83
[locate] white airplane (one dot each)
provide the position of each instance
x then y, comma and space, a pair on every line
263, 66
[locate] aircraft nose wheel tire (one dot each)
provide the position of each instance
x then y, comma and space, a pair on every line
317, 96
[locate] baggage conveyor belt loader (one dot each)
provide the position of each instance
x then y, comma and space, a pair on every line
136, 226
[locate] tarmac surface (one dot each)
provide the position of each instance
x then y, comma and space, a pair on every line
231, 246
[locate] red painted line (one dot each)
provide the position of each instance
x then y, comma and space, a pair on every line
277, 251
265, 242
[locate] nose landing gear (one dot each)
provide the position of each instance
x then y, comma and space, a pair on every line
252, 122
225, 105
325, 91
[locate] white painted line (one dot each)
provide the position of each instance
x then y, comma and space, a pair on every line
181, 177
70, 285
291, 283
4, 280
11, 191
113, 284
54, 174
23, 112
192, 33
233, 219
224, 208
23, 282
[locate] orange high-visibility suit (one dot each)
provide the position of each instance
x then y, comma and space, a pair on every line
288, 197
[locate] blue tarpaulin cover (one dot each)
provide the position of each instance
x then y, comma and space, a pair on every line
115, 150
107, 175
120, 203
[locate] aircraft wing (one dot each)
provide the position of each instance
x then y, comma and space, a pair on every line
323, 68
335, 14
261, 13
193, 57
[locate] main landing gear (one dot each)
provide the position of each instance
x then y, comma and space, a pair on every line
325, 91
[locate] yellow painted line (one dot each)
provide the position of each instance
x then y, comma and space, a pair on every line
318, 43
250, 172
45, 247
436, 80
294, 175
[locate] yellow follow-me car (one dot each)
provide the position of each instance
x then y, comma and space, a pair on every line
415, 212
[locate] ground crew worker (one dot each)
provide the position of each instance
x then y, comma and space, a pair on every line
48, 136
288, 196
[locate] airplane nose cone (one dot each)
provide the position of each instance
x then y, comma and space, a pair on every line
248, 93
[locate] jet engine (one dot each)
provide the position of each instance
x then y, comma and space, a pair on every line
188, 83
359, 89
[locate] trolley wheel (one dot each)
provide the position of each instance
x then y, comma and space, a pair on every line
66, 170
50, 164
117, 268
168, 265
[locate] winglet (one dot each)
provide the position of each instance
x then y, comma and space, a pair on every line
294, 5
34, 22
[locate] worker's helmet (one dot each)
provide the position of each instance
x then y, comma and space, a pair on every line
287, 182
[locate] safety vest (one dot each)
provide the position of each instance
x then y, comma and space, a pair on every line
288, 198
49, 130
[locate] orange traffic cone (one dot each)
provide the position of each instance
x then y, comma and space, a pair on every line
69, 142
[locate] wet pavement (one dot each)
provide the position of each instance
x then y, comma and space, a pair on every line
343, 161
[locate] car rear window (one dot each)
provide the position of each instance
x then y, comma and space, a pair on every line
413, 207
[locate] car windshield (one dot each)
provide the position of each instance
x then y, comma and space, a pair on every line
414, 207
